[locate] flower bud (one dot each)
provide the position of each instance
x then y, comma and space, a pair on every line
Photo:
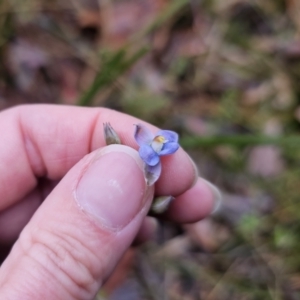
110, 135
161, 204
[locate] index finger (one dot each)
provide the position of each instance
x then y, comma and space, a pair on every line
47, 140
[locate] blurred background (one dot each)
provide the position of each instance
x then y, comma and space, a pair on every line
226, 76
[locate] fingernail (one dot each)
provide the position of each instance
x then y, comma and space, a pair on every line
196, 171
112, 189
216, 194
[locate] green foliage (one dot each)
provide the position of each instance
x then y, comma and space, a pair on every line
250, 225
114, 64
285, 238
140, 102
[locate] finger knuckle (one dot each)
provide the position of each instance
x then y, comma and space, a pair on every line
63, 259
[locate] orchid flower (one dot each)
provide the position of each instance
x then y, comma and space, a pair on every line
152, 147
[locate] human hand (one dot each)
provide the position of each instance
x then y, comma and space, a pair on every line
75, 237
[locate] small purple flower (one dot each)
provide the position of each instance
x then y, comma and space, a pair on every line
152, 147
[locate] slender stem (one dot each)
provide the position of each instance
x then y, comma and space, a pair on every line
239, 140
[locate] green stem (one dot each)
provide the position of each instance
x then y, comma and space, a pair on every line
239, 140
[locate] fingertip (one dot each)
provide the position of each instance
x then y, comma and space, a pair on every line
195, 204
179, 174
113, 177
217, 196
147, 231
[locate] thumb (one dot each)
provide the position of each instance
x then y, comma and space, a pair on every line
82, 229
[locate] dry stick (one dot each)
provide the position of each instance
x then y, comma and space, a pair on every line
212, 294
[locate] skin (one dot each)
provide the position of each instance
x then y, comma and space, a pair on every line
61, 252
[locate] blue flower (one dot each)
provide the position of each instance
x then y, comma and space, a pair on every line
152, 147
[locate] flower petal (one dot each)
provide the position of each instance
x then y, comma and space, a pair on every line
169, 135
152, 173
143, 135
169, 148
148, 155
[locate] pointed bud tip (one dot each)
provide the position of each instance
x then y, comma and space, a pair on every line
110, 135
